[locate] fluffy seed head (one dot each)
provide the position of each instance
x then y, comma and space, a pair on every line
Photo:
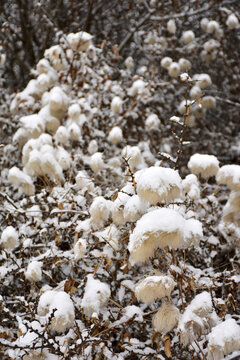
166, 318
206, 165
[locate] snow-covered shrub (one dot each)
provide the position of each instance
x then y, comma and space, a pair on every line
79, 249
204, 165
196, 318
232, 22
152, 122
134, 208
21, 180
166, 62
157, 184
166, 318
115, 135
171, 26
154, 287
223, 339
9, 238
34, 271
132, 154
57, 306
229, 175
96, 162
116, 105
100, 211
155, 230
79, 41
174, 69
188, 36
190, 187
95, 297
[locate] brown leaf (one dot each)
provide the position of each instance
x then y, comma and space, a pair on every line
57, 240
167, 346
68, 285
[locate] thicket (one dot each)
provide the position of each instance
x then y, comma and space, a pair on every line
120, 183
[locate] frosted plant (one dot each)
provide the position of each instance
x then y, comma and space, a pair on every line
203, 80
9, 238
50, 166
152, 122
196, 319
74, 132
92, 147
156, 184
51, 122
223, 339
174, 69
211, 45
209, 102
79, 249
62, 135
137, 87
213, 27
63, 158
166, 318
33, 124
133, 155
231, 211
96, 162
204, 24
154, 287
21, 180
34, 271
115, 135
204, 165
190, 187
166, 62
229, 175
83, 181
80, 41
118, 208
232, 22
161, 228
59, 304
188, 36
183, 106
195, 92
96, 296
184, 64
154, 230
116, 105
171, 26
56, 55
134, 208
129, 63
58, 101
100, 211
74, 111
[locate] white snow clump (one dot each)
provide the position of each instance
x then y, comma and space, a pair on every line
206, 165
9, 238
156, 184
223, 339
95, 297
80, 41
96, 162
115, 135
59, 306
229, 175
21, 180
154, 288
34, 271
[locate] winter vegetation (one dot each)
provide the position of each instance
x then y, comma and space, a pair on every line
120, 180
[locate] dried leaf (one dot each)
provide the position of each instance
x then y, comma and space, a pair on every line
57, 240
68, 284
167, 346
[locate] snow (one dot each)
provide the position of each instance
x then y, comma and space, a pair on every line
59, 304
224, 339
96, 295
206, 165
34, 271
9, 238
156, 184
229, 175
154, 288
